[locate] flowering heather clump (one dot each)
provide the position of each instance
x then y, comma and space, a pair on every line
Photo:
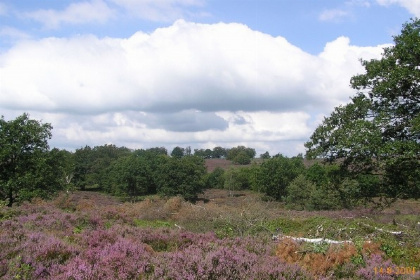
375, 261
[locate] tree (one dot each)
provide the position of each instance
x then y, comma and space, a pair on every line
91, 164
238, 154
177, 152
215, 179
158, 151
237, 179
181, 176
219, 152
266, 155
277, 173
130, 175
377, 133
299, 192
242, 158
82, 161
24, 143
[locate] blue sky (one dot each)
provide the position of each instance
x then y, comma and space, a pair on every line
144, 73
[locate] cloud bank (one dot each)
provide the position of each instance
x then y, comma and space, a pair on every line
185, 84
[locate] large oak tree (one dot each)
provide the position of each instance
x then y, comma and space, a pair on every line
23, 157
378, 132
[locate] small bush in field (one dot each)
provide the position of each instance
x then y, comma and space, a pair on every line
173, 204
299, 192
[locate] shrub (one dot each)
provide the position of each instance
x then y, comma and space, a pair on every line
215, 179
299, 192
242, 158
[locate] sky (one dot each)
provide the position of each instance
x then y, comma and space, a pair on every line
198, 73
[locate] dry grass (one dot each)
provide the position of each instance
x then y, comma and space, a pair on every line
318, 263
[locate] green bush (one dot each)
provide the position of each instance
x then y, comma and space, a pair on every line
299, 193
215, 179
242, 158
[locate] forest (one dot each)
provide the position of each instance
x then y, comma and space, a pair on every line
347, 209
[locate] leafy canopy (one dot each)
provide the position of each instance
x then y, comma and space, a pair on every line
23, 160
378, 133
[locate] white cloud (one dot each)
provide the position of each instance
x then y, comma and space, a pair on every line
13, 33
413, 6
333, 15
192, 84
161, 10
95, 11
358, 3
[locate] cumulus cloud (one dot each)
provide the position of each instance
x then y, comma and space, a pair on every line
413, 6
207, 84
95, 11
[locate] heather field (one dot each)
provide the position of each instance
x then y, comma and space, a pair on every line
89, 235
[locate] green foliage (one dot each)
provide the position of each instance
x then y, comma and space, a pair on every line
184, 176
323, 198
215, 179
204, 153
130, 175
20, 270
242, 158
91, 164
323, 188
236, 179
299, 192
178, 152
265, 155
219, 152
277, 173
241, 154
27, 168
377, 134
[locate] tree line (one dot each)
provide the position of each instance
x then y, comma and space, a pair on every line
28, 168
366, 149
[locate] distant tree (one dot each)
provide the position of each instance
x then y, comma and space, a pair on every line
187, 151
215, 179
177, 152
219, 152
237, 179
242, 152
208, 153
158, 151
24, 149
199, 153
203, 153
277, 173
83, 158
62, 163
130, 175
266, 155
182, 176
91, 164
377, 134
242, 158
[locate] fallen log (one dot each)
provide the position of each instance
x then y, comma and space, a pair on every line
383, 230
311, 240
